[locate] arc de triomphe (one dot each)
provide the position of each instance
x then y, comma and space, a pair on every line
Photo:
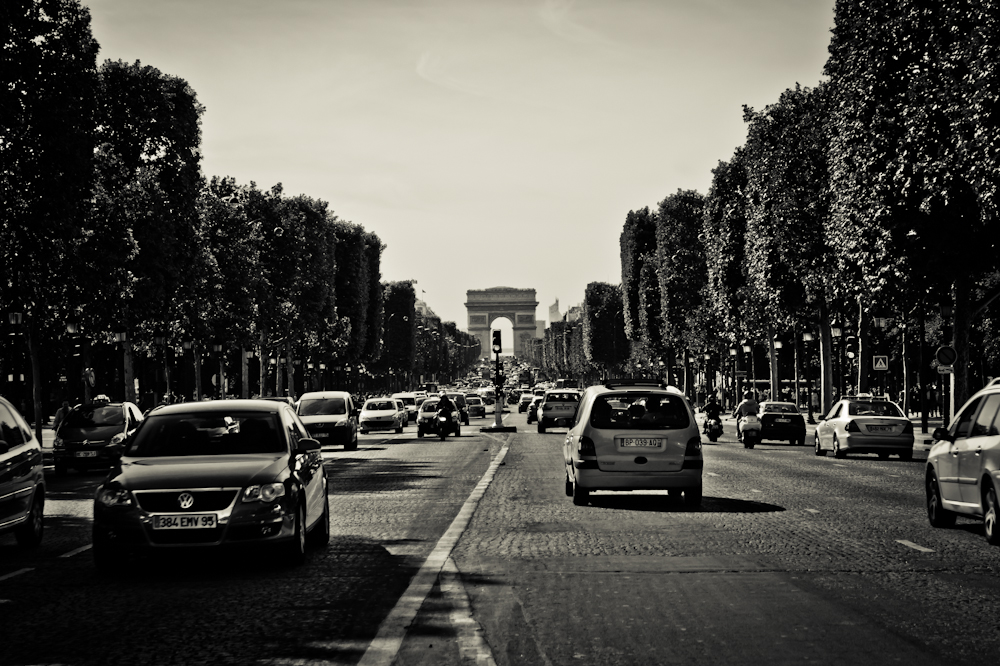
485, 306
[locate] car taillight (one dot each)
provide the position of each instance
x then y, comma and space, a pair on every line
586, 447
852, 426
693, 447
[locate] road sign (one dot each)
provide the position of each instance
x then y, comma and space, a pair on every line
881, 362
946, 355
946, 369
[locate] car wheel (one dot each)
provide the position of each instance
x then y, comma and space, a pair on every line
362, 432
420, 433
569, 486
466, 421
351, 446
399, 430
819, 449
541, 427
59, 469
883, 455
320, 535
937, 515
990, 508
581, 496
713, 438
29, 534
295, 550
692, 497
837, 451
906, 455
458, 431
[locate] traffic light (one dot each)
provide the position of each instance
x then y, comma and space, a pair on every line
496, 342
851, 346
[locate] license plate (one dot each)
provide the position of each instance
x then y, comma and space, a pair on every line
782, 420
320, 435
196, 521
885, 429
86, 454
647, 442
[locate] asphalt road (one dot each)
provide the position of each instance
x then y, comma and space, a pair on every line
468, 551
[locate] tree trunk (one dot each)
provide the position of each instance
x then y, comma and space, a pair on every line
825, 359
197, 371
863, 352
960, 326
128, 361
36, 379
775, 380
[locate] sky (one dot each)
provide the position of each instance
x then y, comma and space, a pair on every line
486, 142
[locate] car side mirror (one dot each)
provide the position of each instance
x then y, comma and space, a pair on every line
942, 435
307, 445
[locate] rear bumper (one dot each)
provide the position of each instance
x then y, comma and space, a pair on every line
595, 479
875, 444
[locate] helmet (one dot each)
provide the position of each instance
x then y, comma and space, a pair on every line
711, 398
747, 395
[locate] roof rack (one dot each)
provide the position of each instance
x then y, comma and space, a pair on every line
994, 382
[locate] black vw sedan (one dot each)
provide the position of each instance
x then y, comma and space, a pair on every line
208, 474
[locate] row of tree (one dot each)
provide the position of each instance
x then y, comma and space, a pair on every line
110, 228
871, 196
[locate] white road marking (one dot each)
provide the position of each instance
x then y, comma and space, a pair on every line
15, 573
385, 646
77, 551
472, 645
910, 544
812, 510
838, 465
711, 473
754, 490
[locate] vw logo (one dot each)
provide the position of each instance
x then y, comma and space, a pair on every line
185, 500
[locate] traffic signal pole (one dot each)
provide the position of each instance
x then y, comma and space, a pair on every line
498, 384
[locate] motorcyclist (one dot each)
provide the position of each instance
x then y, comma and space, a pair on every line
713, 410
748, 407
445, 406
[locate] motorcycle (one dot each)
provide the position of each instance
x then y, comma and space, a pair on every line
444, 423
749, 430
713, 428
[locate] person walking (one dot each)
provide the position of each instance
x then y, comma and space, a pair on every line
60, 416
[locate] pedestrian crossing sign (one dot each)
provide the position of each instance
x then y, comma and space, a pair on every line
881, 362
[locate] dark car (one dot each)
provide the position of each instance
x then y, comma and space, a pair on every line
22, 479
427, 423
463, 409
781, 421
208, 474
92, 434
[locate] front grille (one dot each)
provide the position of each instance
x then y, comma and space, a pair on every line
166, 501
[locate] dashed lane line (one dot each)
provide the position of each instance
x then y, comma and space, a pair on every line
15, 573
385, 646
812, 510
910, 544
77, 551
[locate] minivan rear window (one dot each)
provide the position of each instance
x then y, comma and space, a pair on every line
639, 411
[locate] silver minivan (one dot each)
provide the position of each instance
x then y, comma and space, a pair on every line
634, 435
22, 478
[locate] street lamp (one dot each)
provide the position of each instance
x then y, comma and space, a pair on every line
836, 331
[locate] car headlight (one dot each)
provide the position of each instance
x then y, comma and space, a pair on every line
117, 439
342, 424
58, 443
267, 492
114, 496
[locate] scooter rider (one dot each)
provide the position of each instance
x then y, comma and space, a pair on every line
446, 406
713, 410
748, 407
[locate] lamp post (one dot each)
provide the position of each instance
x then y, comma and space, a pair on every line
776, 366
221, 377
806, 339
748, 350
246, 355
735, 383
189, 345
836, 332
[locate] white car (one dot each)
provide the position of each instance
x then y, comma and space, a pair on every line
331, 417
634, 435
410, 401
381, 414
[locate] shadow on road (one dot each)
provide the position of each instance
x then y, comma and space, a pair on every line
355, 475
664, 503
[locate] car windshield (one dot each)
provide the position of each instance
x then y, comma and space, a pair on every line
207, 434
95, 416
474, 401
639, 411
408, 401
873, 409
562, 397
458, 399
778, 408
429, 406
379, 405
323, 407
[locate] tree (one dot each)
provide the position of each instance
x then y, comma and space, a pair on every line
48, 102
915, 151
638, 246
681, 266
604, 341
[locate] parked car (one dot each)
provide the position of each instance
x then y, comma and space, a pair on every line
782, 421
382, 414
331, 417
22, 478
864, 424
209, 474
557, 409
427, 422
963, 466
634, 435
476, 407
93, 434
